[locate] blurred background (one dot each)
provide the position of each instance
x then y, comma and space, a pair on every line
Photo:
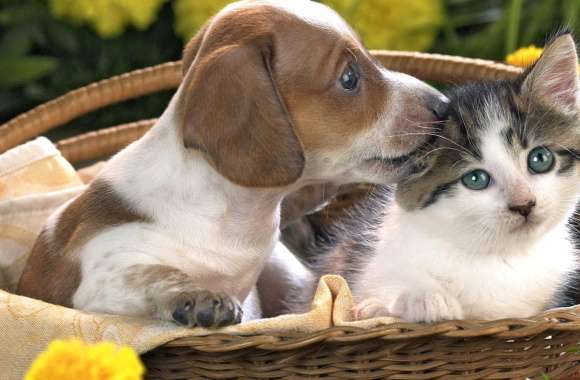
48, 47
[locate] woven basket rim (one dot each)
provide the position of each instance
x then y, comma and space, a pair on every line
561, 319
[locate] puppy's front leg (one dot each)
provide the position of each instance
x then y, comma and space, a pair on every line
158, 291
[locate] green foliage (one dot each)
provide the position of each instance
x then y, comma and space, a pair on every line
493, 28
24, 69
42, 58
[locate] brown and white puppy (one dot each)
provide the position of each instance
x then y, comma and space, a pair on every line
276, 95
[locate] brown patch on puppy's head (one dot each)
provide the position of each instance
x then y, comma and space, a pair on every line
275, 91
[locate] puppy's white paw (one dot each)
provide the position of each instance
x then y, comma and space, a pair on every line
426, 306
370, 308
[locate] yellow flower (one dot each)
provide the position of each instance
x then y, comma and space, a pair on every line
393, 24
525, 56
76, 360
108, 17
190, 15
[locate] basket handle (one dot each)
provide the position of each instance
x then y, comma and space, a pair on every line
83, 100
435, 67
102, 143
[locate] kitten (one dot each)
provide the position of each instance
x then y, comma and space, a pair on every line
483, 233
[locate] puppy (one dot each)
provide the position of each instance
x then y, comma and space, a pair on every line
276, 95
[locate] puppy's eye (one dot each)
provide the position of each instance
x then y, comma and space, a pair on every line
349, 78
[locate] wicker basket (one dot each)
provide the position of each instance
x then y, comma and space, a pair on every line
541, 347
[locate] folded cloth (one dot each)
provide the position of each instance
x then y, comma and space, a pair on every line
35, 168
34, 181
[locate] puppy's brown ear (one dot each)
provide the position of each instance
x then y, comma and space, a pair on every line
234, 114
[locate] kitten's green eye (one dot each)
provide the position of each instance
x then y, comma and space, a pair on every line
476, 180
541, 160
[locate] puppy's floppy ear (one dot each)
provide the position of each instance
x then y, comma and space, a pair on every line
554, 77
234, 114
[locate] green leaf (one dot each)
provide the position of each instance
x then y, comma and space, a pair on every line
540, 20
19, 70
18, 14
17, 41
513, 28
61, 36
571, 12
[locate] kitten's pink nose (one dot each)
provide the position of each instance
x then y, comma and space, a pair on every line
523, 209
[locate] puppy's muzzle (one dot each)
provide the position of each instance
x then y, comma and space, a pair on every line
426, 122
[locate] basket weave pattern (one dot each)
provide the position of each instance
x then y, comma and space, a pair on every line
505, 349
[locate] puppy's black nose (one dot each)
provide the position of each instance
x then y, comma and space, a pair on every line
439, 105
524, 210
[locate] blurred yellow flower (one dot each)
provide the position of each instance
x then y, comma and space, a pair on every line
108, 17
190, 15
393, 24
525, 56
76, 360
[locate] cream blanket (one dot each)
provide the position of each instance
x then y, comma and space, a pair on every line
34, 180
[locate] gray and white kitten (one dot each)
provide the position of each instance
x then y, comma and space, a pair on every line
483, 233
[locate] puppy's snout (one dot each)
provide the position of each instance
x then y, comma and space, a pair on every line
439, 106
421, 108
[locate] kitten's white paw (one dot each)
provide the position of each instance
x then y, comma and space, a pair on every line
370, 308
426, 306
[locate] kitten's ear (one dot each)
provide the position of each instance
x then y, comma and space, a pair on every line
554, 78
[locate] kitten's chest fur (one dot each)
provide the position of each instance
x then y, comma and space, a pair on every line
514, 281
